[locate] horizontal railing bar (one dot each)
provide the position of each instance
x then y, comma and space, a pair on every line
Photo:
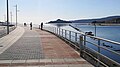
104, 48
101, 55
114, 42
110, 50
95, 58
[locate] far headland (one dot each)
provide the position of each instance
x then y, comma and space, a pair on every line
110, 20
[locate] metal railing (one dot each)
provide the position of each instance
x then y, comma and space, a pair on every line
3, 30
96, 50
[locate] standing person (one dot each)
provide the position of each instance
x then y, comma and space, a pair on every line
25, 24
31, 26
41, 26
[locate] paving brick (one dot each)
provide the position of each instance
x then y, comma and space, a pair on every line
32, 61
5, 61
48, 66
19, 61
17, 66
31, 66
58, 60
64, 65
70, 60
42, 66
46, 60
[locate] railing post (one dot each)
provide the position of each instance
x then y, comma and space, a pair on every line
70, 35
59, 31
98, 57
65, 34
75, 37
50, 29
55, 30
62, 32
84, 45
84, 42
81, 46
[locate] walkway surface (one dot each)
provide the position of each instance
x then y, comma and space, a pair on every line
36, 48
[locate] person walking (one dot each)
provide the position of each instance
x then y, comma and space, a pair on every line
31, 26
41, 26
25, 24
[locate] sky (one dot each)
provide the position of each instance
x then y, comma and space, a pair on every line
38, 11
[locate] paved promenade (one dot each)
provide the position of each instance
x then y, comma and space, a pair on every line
36, 48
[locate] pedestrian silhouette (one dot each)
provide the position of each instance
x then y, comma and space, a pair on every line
41, 26
25, 24
31, 26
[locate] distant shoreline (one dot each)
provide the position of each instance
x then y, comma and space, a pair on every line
109, 24
97, 24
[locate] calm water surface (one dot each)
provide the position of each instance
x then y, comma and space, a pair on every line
108, 32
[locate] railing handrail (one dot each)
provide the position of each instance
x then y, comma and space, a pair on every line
107, 40
95, 37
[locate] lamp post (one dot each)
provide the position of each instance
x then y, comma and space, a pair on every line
94, 22
7, 17
95, 29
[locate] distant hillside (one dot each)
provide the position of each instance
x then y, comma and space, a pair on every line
60, 21
110, 19
106, 19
